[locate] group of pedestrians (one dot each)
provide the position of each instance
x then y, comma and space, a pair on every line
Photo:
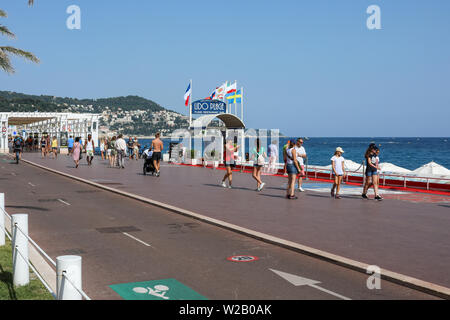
294, 156
49, 146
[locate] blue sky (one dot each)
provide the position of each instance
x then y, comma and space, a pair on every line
309, 68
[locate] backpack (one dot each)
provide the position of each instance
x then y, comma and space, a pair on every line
17, 143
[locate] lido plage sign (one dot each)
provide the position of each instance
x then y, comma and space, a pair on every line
208, 107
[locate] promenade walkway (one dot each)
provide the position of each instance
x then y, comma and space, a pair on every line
402, 233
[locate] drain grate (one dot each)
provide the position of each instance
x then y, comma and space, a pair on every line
118, 229
73, 252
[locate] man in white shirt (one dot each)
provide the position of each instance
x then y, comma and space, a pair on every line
121, 146
301, 155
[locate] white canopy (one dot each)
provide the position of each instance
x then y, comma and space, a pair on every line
432, 169
389, 167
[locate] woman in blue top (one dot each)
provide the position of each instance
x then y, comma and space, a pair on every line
259, 157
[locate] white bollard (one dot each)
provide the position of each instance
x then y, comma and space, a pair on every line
2, 220
21, 271
71, 267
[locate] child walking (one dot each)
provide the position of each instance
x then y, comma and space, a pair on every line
338, 167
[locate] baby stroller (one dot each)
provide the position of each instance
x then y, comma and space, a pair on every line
148, 162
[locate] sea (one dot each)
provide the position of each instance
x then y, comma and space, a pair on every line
409, 153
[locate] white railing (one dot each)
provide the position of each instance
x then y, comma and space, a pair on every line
64, 265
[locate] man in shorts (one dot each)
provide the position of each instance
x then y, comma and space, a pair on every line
157, 147
301, 155
70, 144
130, 144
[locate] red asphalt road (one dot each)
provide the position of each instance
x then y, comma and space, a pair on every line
402, 236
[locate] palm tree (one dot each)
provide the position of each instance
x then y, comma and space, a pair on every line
6, 51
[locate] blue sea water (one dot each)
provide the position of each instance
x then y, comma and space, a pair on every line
409, 153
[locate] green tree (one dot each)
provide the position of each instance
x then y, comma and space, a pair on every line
7, 51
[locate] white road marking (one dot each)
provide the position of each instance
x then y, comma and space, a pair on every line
13, 173
134, 238
301, 281
62, 201
31, 184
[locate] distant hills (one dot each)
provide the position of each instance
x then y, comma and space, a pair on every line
20, 102
128, 115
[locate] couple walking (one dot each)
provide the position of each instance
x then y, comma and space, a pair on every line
294, 166
258, 155
77, 150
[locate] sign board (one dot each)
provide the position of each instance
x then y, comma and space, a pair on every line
63, 140
4, 130
208, 107
166, 289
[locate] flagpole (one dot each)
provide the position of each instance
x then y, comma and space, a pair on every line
235, 100
190, 107
242, 104
190, 122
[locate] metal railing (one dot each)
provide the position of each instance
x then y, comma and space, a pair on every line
20, 239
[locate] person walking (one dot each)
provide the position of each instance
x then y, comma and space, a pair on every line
102, 148
372, 177
130, 147
258, 156
121, 147
70, 142
112, 153
136, 146
273, 157
285, 157
43, 147
157, 147
76, 151
55, 147
292, 170
338, 169
301, 155
230, 163
48, 143
89, 146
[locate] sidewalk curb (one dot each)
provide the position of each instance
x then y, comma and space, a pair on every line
410, 282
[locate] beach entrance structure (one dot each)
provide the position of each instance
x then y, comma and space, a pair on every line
56, 124
231, 122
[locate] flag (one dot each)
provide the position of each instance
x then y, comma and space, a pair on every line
211, 97
235, 97
232, 88
187, 95
219, 93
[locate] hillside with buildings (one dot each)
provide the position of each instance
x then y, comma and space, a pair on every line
131, 115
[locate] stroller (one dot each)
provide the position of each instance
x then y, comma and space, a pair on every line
148, 162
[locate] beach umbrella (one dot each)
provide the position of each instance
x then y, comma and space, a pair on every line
432, 169
389, 167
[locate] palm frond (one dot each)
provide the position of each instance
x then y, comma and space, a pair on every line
20, 53
5, 31
5, 63
3, 14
